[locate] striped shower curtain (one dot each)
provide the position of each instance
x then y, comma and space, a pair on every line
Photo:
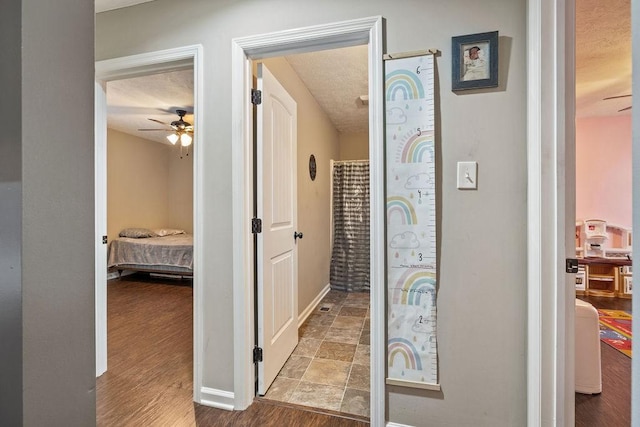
350, 254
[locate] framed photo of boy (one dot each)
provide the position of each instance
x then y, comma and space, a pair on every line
475, 61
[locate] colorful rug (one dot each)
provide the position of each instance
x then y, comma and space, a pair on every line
615, 329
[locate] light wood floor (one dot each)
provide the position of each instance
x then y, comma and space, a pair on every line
611, 408
150, 355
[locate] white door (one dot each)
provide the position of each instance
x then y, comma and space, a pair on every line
276, 205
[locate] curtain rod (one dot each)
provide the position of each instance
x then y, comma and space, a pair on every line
388, 56
351, 161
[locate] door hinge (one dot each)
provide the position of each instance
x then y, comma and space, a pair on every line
256, 96
572, 265
104, 240
257, 354
256, 225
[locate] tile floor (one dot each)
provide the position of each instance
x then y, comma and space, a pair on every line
329, 368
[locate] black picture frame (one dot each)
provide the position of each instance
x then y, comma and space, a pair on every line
474, 61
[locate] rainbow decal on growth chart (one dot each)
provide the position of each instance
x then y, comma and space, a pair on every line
412, 286
403, 84
418, 148
407, 352
399, 205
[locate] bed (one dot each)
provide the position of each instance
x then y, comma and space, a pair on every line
164, 251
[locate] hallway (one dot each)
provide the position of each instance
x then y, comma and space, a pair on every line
149, 381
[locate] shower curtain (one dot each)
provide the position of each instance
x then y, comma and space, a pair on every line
350, 254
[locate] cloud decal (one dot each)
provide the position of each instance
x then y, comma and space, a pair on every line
418, 181
422, 326
406, 240
395, 116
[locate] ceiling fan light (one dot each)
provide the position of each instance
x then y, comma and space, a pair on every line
173, 138
185, 139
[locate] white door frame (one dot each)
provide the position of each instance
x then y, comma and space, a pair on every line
244, 50
100, 190
551, 177
133, 66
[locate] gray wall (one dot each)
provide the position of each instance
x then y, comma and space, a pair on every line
10, 218
58, 213
482, 247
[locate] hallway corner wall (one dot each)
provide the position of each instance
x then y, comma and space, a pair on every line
58, 232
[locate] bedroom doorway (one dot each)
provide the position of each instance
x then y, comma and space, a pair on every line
169, 62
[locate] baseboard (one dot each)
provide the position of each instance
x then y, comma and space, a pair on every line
216, 398
390, 424
307, 311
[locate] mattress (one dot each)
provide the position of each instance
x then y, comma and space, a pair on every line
169, 253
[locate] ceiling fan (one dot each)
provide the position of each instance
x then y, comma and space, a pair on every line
619, 96
180, 130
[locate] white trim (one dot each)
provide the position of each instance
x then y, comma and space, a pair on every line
299, 40
312, 306
215, 398
243, 292
100, 189
550, 34
397, 425
198, 220
565, 211
146, 63
341, 34
534, 227
377, 184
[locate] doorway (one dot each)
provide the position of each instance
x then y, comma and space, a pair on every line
329, 368
189, 57
350, 33
603, 143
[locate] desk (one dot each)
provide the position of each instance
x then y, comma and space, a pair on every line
605, 277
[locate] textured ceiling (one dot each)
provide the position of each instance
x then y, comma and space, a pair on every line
336, 78
603, 56
132, 102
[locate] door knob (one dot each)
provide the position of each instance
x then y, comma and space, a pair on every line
297, 235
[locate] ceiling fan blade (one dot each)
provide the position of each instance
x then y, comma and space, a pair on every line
158, 121
616, 97
624, 109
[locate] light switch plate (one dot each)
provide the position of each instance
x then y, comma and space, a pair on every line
467, 175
